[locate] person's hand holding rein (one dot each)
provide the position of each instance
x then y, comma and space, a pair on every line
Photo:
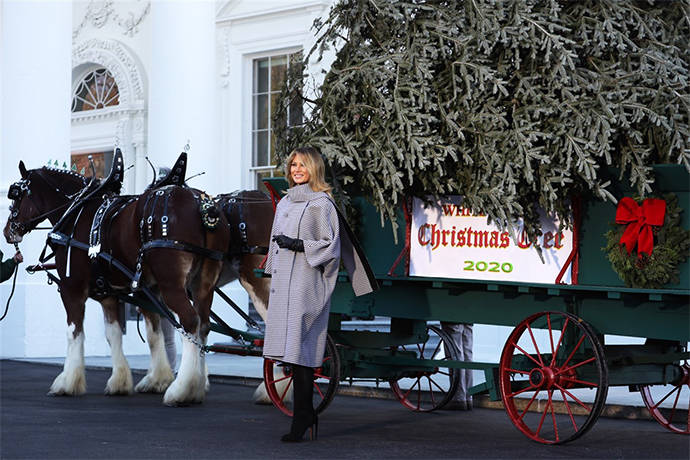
18, 257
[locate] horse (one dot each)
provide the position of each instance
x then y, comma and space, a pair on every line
250, 216
161, 241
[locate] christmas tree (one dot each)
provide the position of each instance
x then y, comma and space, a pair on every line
514, 104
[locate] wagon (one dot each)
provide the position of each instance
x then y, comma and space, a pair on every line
556, 367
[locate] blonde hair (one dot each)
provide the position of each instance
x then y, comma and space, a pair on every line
313, 161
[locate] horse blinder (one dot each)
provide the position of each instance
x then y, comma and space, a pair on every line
16, 190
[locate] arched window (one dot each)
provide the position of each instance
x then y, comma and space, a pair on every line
97, 90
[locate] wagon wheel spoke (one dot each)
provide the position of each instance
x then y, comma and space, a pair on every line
560, 339
329, 371
431, 391
441, 382
523, 376
575, 366
675, 404
274, 381
531, 387
567, 406
318, 390
572, 353
667, 395
287, 387
553, 414
669, 417
541, 420
517, 371
548, 323
534, 396
440, 388
581, 382
419, 393
436, 350
536, 348
411, 388
584, 406
526, 354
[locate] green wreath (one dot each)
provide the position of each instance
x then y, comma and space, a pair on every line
671, 248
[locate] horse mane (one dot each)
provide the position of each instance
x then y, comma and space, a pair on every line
74, 180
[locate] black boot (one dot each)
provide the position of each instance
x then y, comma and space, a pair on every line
304, 417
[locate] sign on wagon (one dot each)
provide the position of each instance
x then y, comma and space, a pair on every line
448, 241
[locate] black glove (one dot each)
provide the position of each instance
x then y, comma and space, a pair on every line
285, 242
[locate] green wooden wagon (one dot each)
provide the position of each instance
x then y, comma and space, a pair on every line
556, 367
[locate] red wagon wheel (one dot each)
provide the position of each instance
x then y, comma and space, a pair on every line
551, 362
326, 380
430, 389
671, 407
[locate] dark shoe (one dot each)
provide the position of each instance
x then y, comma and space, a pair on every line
292, 437
297, 434
304, 418
455, 405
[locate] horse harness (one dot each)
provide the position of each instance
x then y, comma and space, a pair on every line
232, 205
209, 216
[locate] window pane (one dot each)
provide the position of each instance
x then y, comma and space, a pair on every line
295, 112
274, 103
261, 75
102, 162
260, 148
97, 90
278, 72
274, 160
260, 112
296, 62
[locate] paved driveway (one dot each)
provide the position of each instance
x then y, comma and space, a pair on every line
228, 425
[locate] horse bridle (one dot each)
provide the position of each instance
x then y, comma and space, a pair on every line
16, 193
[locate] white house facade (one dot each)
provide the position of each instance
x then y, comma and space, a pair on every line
152, 78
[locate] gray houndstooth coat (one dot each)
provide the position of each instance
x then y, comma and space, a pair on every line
302, 282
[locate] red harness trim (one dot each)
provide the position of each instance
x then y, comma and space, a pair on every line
574, 256
275, 198
406, 249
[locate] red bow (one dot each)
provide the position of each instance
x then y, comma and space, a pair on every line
640, 220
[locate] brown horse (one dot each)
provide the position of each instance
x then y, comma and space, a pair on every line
99, 261
250, 215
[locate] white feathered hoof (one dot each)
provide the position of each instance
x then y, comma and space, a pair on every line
260, 395
183, 392
155, 382
69, 383
120, 383
207, 382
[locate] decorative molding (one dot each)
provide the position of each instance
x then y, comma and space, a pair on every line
224, 56
129, 116
89, 116
99, 12
225, 12
115, 57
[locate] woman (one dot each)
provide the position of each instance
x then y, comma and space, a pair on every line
303, 261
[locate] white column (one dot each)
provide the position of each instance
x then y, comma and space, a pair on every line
36, 72
183, 104
35, 62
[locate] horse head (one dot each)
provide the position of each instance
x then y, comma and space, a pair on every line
40, 194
